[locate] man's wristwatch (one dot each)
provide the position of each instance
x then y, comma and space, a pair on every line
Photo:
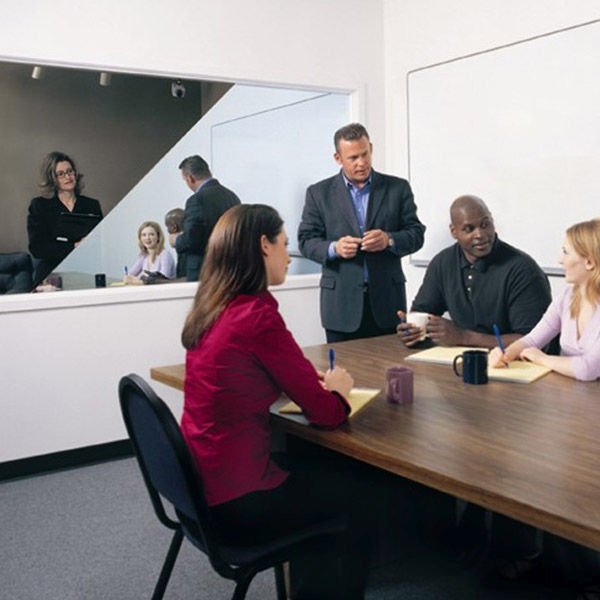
390, 241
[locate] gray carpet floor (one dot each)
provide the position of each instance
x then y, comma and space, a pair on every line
90, 533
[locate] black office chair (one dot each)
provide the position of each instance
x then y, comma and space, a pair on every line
169, 472
15, 273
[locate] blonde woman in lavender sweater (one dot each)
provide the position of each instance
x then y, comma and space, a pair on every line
153, 257
575, 314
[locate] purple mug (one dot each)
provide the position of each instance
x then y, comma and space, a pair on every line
55, 281
399, 385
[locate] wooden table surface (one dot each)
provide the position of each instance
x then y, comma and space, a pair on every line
530, 451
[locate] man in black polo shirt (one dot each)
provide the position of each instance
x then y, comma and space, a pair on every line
480, 281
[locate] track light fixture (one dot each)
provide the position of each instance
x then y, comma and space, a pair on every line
105, 79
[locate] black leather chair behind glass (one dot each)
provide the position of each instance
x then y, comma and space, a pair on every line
15, 273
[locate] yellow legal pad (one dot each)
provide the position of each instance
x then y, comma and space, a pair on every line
518, 371
359, 397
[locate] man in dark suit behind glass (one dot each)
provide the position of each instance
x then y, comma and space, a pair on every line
202, 210
358, 225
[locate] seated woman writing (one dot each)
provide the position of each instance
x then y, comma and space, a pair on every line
575, 315
153, 257
240, 359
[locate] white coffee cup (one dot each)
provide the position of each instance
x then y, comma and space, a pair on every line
419, 319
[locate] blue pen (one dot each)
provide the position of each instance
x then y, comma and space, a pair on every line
331, 358
125, 269
497, 332
404, 331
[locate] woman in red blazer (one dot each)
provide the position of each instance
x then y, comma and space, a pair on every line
240, 359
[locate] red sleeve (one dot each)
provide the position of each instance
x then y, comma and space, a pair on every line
282, 358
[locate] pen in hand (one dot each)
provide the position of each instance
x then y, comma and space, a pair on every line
331, 359
499, 339
497, 333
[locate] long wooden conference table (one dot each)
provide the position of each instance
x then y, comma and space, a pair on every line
529, 451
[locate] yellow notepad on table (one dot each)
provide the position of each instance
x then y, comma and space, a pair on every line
441, 355
518, 371
359, 398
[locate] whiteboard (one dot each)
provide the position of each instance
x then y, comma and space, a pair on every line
518, 126
271, 157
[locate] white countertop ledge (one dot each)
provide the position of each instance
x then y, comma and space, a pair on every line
123, 295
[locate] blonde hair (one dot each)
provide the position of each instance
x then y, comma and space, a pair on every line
160, 246
585, 239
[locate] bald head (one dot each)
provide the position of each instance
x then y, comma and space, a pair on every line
472, 226
174, 220
467, 204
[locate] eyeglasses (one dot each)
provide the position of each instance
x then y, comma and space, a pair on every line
65, 173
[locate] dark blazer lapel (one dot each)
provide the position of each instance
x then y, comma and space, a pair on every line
375, 198
345, 205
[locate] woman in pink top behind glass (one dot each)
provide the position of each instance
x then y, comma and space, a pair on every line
153, 257
575, 314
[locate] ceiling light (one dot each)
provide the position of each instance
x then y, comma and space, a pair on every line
105, 79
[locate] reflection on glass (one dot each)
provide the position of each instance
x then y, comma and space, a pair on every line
266, 144
115, 134
61, 217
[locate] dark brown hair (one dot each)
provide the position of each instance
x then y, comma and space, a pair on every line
350, 133
48, 173
233, 265
196, 166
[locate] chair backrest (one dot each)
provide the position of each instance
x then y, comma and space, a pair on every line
15, 273
164, 459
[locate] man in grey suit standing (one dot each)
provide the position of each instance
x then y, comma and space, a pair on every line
358, 225
202, 210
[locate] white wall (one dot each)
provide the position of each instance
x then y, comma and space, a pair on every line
68, 350
70, 357
422, 32
328, 45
